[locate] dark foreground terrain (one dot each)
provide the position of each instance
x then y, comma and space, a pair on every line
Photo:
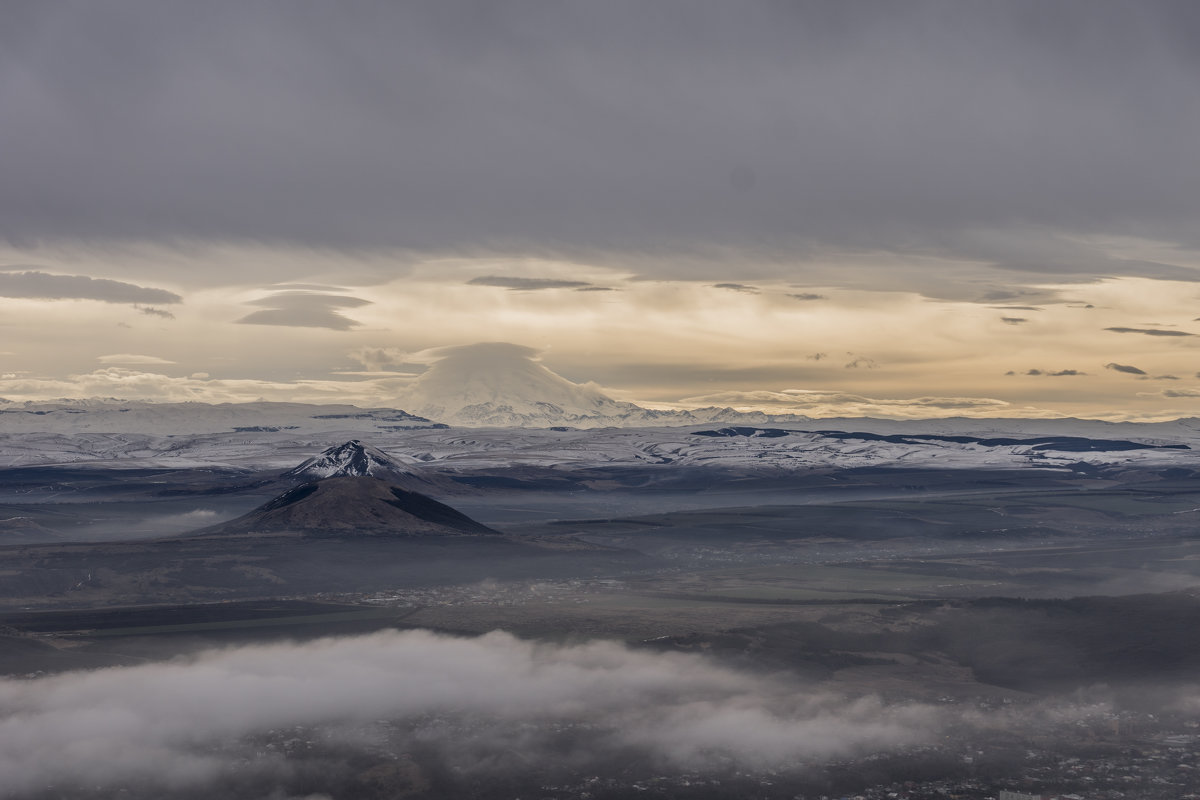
872, 632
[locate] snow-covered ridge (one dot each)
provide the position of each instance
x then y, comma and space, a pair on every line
828, 444
168, 419
163, 419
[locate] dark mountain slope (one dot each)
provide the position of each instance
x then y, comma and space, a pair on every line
353, 507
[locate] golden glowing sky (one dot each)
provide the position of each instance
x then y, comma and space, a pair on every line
773, 344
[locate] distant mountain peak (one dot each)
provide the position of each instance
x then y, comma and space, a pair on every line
492, 383
498, 384
352, 459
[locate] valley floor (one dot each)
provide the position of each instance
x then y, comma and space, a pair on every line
922, 633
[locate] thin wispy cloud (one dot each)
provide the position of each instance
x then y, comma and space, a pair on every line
1150, 331
527, 284
133, 358
151, 311
1058, 373
46, 286
1126, 368
832, 403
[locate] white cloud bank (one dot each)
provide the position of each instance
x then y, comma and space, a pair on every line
172, 723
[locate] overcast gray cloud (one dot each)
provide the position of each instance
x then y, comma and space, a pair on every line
44, 286
1006, 133
527, 284
304, 310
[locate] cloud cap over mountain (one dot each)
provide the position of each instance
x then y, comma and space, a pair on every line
465, 381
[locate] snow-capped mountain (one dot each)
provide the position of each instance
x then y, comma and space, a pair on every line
352, 459
497, 384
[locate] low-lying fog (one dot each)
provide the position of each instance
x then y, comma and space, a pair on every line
492, 704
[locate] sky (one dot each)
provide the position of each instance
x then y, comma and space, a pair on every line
896, 209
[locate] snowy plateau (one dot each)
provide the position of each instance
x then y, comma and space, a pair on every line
255, 436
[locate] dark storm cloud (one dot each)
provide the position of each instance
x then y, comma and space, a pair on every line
985, 131
1150, 331
304, 310
44, 286
1013, 320
1124, 368
737, 287
526, 284
807, 296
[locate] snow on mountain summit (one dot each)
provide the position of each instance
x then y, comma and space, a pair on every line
352, 459
497, 383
